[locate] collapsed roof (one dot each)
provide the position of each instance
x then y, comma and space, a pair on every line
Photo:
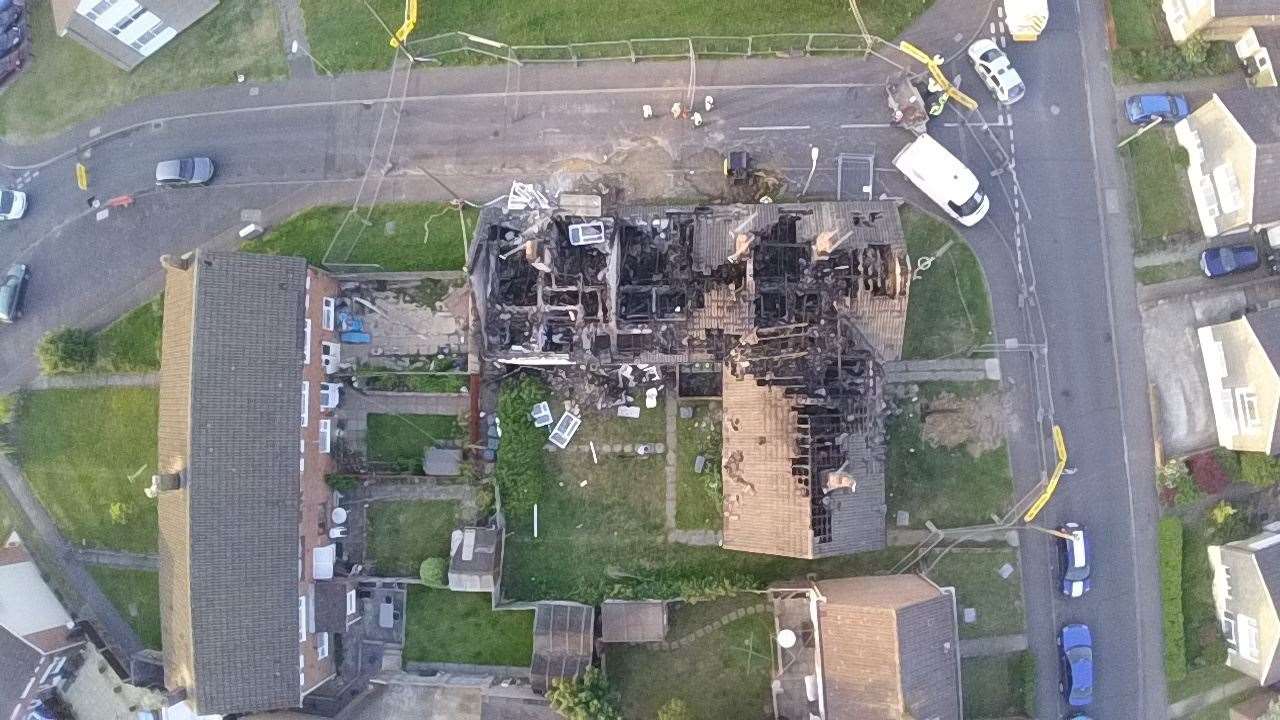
800, 304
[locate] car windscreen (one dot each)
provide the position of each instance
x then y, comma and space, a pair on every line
1228, 259
970, 206
186, 169
6, 202
990, 55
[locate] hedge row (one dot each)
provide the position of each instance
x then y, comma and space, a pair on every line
1170, 545
521, 469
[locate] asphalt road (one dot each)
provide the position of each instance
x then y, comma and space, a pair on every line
470, 131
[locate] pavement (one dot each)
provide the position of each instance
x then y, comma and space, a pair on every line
1055, 246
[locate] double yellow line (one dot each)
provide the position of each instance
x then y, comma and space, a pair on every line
410, 22
1061, 446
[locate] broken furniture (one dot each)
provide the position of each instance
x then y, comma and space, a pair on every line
541, 414
565, 429
737, 167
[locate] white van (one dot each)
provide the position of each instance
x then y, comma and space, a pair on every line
945, 179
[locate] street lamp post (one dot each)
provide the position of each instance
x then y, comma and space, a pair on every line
813, 166
297, 48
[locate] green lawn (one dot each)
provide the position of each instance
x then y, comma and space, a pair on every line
1146, 52
699, 499
403, 534
1155, 274
85, 451
946, 485
399, 236
724, 674
400, 439
444, 626
345, 37
65, 83
413, 382
132, 343
1138, 22
136, 594
1160, 189
974, 573
948, 313
996, 687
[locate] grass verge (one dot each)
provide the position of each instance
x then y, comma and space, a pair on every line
1156, 274
65, 83
996, 687
456, 627
1146, 52
949, 313
88, 455
132, 343
136, 594
699, 501
975, 574
346, 38
403, 534
1159, 186
949, 486
1169, 534
723, 674
400, 439
399, 236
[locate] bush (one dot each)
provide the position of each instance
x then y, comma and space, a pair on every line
587, 698
521, 470
675, 709
1229, 460
1259, 469
1176, 484
1027, 681
68, 350
342, 483
1169, 533
1167, 62
434, 572
1209, 475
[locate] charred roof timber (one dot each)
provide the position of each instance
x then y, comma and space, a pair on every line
799, 303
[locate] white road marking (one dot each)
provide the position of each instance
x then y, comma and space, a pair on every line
852, 126
764, 128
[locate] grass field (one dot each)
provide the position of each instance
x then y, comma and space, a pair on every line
132, 343
403, 534
1155, 274
399, 236
699, 501
136, 594
1146, 52
65, 83
1160, 189
87, 451
346, 38
949, 312
974, 573
723, 674
946, 485
457, 627
400, 439
995, 687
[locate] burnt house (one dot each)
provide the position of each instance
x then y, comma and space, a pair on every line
798, 304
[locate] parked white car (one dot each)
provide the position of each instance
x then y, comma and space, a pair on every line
993, 67
13, 204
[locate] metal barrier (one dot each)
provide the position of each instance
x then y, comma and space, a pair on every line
441, 46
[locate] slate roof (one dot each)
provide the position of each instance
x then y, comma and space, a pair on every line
563, 642
1244, 8
331, 605
229, 422
1266, 328
18, 661
888, 649
1258, 112
633, 621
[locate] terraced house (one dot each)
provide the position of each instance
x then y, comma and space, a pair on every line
126, 32
250, 605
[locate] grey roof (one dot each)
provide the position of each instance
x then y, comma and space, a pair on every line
18, 661
563, 642
486, 549
633, 621
1268, 560
238, 526
1258, 112
1244, 8
1266, 327
331, 605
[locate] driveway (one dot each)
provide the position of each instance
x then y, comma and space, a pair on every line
1174, 363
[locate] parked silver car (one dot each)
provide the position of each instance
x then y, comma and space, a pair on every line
184, 172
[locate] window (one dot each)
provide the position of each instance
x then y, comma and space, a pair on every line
1247, 637
123, 23
351, 602
1228, 188
306, 342
302, 622
322, 645
1207, 197
161, 36
329, 394
52, 671
306, 395
1246, 404
95, 9
326, 319
330, 356
325, 435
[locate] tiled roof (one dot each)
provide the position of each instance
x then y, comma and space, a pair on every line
563, 642
18, 661
229, 422
1245, 8
1258, 112
633, 621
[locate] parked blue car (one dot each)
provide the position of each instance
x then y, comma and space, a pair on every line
1076, 647
1225, 260
1141, 109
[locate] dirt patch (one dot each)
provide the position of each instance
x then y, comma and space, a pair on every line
975, 423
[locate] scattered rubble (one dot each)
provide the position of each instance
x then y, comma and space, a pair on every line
976, 423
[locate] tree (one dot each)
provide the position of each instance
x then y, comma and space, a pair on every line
1259, 468
586, 698
68, 350
433, 572
675, 709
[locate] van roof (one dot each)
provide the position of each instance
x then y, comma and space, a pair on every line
932, 165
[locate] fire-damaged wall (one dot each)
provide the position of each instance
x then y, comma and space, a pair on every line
800, 304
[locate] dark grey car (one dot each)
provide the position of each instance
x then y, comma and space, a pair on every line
12, 289
184, 172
